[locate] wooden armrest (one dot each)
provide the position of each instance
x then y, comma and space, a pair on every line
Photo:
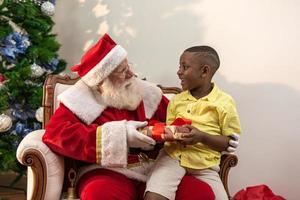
227, 161
34, 159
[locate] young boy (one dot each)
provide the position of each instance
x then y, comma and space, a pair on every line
214, 119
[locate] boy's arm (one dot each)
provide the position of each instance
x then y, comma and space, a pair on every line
230, 125
216, 142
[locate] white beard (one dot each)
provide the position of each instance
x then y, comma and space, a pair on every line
122, 96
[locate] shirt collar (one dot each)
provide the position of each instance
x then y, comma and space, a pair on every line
210, 97
213, 93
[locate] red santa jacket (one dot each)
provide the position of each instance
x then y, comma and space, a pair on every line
83, 129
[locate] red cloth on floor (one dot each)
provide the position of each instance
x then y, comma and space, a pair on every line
259, 192
110, 185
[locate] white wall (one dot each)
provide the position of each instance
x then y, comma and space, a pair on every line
258, 42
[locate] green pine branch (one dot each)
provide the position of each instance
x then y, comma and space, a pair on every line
21, 87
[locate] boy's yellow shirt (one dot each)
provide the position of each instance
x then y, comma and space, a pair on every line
214, 114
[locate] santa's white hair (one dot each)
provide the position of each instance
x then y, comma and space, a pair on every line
127, 95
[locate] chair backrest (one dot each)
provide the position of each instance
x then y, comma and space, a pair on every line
53, 86
56, 84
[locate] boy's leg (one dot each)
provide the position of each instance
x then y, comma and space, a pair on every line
164, 177
212, 178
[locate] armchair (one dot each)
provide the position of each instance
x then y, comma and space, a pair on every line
48, 174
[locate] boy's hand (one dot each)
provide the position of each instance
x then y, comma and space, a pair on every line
172, 132
191, 135
215, 142
182, 129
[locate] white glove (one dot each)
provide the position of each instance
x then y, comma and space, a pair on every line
233, 143
136, 139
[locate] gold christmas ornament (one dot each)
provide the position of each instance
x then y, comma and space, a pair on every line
5, 123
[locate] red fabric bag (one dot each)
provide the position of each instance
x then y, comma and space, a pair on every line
259, 192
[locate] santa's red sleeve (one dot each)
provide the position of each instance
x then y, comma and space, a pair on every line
104, 144
67, 135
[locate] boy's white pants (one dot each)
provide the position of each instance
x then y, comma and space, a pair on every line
167, 173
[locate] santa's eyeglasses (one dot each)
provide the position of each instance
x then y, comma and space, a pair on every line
123, 69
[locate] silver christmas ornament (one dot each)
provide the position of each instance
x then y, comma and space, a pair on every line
5, 123
39, 114
48, 8
36, 70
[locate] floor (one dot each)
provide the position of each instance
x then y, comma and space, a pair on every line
12, 193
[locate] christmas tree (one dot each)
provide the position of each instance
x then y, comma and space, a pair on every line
28, 52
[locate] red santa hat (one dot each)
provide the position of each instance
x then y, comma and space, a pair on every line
99, 61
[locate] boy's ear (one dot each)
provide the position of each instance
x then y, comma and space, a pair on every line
205, 70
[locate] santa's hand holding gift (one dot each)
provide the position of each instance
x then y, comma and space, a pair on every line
97, 123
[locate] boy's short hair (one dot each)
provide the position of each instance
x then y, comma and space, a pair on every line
210, 55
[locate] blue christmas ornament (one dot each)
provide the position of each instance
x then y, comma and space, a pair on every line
36, 126
30, 113
20, 127
14, 44
52, 64
19, 115
52, 1
21, 41
26, 131
8, 53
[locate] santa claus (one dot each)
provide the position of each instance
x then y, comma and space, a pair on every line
97, 123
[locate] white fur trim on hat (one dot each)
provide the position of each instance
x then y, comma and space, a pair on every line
114, 144
105, 66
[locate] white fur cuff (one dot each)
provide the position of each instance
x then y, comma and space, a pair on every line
114, 144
